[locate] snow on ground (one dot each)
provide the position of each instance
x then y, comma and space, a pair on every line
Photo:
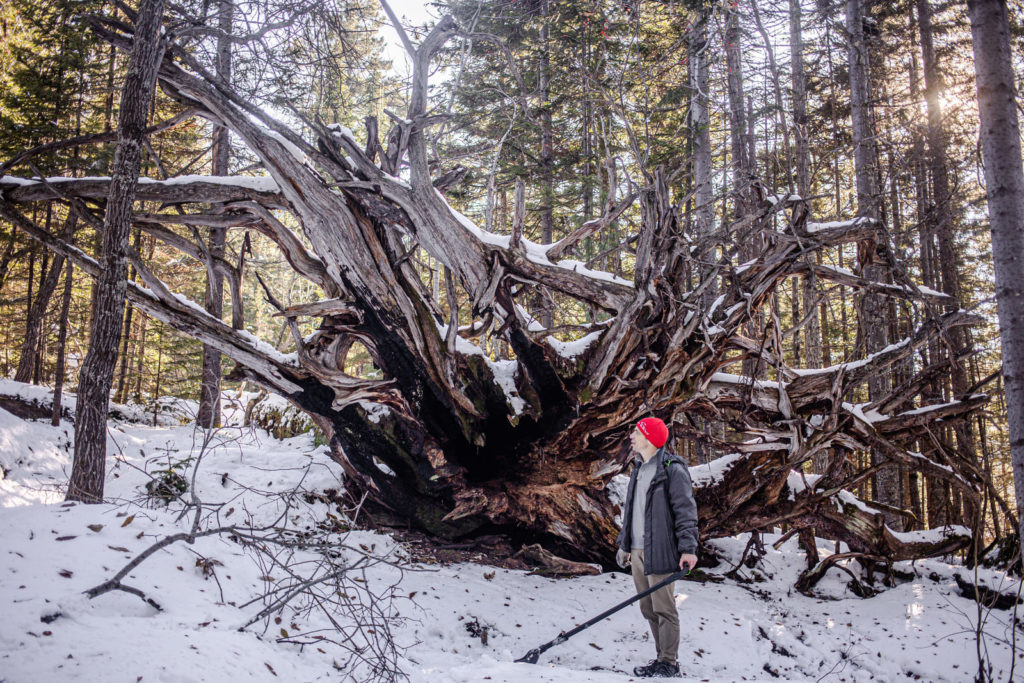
753, 628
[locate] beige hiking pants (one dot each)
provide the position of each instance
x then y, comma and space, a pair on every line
659, 608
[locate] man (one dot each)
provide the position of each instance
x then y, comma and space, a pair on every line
658, 537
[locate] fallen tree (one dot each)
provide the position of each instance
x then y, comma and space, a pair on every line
525, 444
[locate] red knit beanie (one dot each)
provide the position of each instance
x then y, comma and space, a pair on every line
654, 429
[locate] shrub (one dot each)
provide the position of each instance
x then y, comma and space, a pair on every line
168, 483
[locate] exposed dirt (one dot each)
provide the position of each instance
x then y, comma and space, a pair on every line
492, 551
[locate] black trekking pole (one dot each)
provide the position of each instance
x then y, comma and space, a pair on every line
532, 656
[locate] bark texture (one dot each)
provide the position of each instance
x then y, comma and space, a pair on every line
29, 360
872, 253
703, 191
62, 339
209, 395
1004, 184
96, 377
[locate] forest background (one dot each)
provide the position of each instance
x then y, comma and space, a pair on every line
725, 96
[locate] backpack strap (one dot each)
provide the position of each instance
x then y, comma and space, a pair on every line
668, 497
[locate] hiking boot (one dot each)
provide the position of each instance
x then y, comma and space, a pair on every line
647, 670
657, 669
666, 670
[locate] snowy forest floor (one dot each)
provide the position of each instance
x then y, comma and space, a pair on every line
450, 622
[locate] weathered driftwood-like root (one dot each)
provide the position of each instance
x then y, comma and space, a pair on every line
810, 578
550, 564
538, 505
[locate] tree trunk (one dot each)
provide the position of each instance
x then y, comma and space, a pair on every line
140, 361
781, 122
209, 399
812, 330
39, 350
796, 54
703, 190
8, 256
914, 500
587, 186
741, 148
547, 155
873, 321
49, 278
159, 370
124, 358
62, 338
739, 145
1004, 185
29, 297
96, 377
937, 492
140, 346
986, 460
700, 124
941, 210
942, 222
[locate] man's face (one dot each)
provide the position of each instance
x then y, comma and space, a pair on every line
638, 441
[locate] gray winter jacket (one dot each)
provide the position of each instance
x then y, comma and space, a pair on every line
670, 521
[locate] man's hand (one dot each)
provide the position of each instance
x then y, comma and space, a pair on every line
622, 558
688, 562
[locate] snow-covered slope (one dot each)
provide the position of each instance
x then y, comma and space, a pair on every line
50, 552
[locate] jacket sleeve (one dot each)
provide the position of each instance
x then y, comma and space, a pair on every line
684, 509
624, 540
